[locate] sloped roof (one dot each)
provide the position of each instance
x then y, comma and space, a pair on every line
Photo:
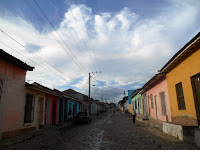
15, 61
71, 91
183, 52
42, 88
135, 93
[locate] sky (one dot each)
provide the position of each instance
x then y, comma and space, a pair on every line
128, 41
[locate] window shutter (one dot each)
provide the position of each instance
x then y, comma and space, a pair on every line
152, 105
29, 109
180, 96
163, 104
32, 108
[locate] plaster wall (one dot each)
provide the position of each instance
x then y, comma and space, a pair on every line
13, 102
182, 73
155, 90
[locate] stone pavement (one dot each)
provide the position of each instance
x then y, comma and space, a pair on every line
29, 135
108, 131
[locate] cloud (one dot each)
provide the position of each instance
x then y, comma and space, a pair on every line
126, 47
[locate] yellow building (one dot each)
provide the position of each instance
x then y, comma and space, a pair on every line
130, 108
183, 80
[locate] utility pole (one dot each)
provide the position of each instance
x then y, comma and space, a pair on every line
89, 85
89, 89
90, 80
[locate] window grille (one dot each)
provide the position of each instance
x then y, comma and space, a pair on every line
144, 100
163, 104
29, 109
152, 105
180, 96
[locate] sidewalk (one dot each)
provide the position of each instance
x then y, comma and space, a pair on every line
159, 125
32, 134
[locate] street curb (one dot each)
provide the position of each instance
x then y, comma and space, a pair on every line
34, 134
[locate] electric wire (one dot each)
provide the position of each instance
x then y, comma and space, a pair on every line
89, 39
58, 33
50, 31
31, 60
36, 56
78, 47
79, 31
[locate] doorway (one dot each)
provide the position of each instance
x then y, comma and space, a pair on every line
54, 113
196, 92
48, 107
74, 111
61, 111
40, 113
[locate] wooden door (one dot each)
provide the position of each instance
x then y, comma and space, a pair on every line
65, 110
48, 107
157, 110
54, 113
196, 92
61, 111
40, 113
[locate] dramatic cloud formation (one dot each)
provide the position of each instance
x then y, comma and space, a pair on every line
126, 47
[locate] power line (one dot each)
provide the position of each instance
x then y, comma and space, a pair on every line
31, 60
36, 56
89, 39
42, 21
79, 31
53, 3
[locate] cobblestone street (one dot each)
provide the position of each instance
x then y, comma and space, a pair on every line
107, 131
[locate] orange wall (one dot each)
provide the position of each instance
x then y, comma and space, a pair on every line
182, 73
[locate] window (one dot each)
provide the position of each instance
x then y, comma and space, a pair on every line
152, 105
163, 104
135, 104
140, 103
180, 96
29, 109
1, 88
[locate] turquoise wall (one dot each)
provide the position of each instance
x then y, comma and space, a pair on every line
137, 104
70, 105
92, 108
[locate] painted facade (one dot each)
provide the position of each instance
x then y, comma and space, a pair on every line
130, 108
39, 107
157, 98
12, 95
183, 82
137, 104
51, 109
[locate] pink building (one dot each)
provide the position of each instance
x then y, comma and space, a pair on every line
157, 98
12, 95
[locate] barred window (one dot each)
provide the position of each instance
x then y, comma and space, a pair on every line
180, 96
29, 109
152, 105
140, 102
135, 104
163, 104
1, 88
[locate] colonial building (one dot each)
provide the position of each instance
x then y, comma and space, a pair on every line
156, 103
12, 95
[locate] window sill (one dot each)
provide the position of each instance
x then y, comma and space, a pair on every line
27, 124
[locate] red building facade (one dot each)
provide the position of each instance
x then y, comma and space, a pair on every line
51, 109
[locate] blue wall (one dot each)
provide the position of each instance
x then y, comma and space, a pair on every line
130, 92
70, 105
